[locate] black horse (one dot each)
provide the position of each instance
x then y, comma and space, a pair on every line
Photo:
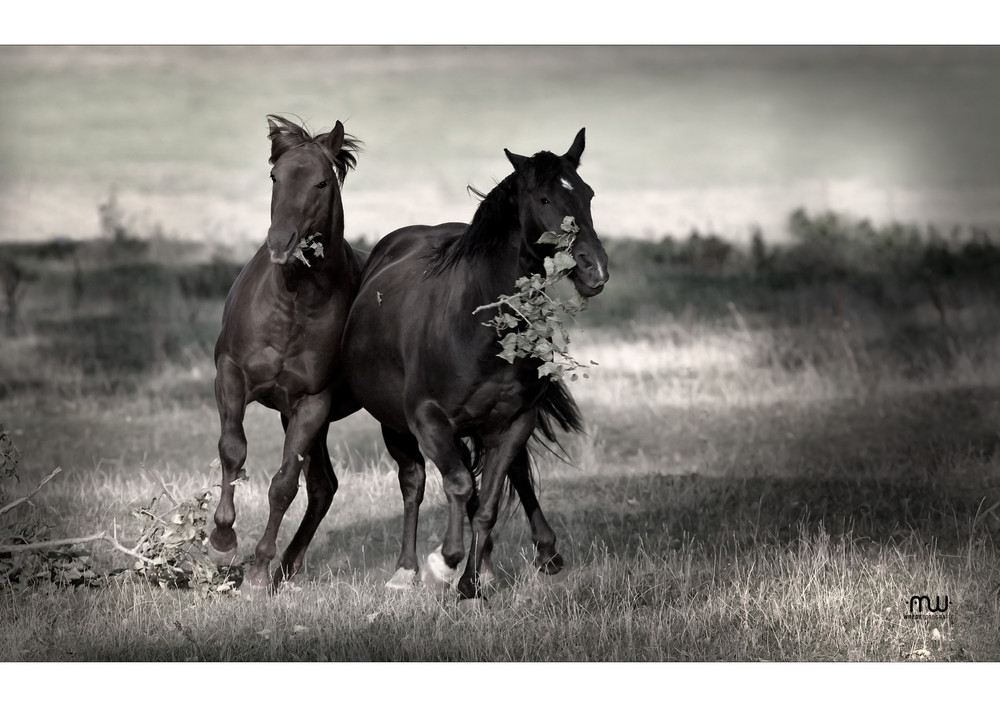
426, 367
280, 340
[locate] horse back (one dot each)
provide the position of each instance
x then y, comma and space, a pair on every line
409, 244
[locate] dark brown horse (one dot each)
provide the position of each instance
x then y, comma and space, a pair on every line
426, 368
280, 341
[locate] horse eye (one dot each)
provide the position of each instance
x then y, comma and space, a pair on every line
545, 201
321, 185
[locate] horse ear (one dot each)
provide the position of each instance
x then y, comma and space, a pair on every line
516, 160
335, 139
573, 155
273, 132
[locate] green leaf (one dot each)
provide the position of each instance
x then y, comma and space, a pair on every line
550, 238
550, 369
564, 262
543, 349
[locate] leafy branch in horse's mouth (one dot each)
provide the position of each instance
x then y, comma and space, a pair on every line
535, 318
308, 243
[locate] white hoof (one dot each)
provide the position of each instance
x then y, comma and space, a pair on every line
402, 581
436, 574
486, 577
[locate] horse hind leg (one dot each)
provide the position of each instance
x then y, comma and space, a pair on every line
547, 560
405, 451
321, 486
500, 452
229, 395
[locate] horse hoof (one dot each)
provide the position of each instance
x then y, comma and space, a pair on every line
551, 566
475, 605
280, 580
221, 558
256, 580
436, 575
402, 581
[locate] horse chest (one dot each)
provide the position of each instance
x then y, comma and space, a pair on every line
295, 354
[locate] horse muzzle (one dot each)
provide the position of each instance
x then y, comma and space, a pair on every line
281, 245
590, 274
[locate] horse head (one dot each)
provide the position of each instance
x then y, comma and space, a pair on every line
550, 189
305, 194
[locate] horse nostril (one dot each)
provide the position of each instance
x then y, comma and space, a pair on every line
592, 265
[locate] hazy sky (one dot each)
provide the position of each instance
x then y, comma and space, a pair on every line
677, 137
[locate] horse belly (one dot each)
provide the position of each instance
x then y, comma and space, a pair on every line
378, 389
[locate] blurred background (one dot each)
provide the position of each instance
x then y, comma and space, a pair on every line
720, 139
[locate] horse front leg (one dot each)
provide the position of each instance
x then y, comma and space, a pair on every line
304, 424
321, 485
230, 397
437, 437
405, 451
486, 574
500, 452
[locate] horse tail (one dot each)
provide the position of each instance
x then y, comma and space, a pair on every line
557, 405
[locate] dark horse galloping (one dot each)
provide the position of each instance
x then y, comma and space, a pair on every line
280, 340
427, 369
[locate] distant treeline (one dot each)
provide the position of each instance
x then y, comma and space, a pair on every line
889, 266
127, 303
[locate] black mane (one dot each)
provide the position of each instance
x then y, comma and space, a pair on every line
497, 214
287, 135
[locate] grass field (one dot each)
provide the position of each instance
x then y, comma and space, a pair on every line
757, 483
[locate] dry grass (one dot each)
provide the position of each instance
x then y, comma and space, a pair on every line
721, 507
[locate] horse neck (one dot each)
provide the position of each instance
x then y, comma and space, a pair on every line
498, 266
494, 273
333, 233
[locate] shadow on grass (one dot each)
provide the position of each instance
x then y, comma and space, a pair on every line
920, 465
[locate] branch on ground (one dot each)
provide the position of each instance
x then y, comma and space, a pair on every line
17, 502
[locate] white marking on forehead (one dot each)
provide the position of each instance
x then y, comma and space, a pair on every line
565, 184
